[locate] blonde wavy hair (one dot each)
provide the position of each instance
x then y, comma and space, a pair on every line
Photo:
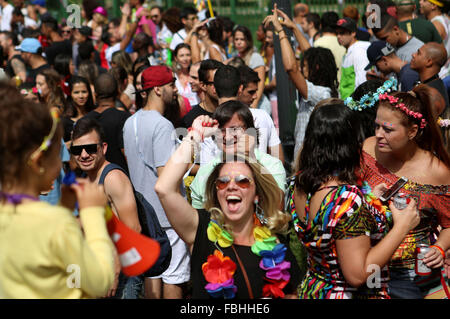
267, 189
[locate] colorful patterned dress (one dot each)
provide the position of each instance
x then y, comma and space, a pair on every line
343, 214
433, 203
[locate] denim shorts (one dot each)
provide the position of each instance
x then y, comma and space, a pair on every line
402, 286
130, 287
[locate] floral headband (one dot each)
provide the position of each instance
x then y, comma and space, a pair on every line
33, 90
394, 101
369, 100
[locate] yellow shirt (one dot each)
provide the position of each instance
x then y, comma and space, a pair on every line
44, 254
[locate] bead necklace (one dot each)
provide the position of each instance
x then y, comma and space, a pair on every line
219, 270
16, 199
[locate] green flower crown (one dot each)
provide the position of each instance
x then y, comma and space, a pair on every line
369, 100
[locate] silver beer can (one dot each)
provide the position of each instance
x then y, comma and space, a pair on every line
400, 201
421, 269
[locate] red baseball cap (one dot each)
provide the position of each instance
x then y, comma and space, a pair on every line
157, 75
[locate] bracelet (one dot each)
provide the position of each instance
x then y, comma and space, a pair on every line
281, 38
280, 30
440, 250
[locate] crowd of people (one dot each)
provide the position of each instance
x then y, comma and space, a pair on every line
181, 106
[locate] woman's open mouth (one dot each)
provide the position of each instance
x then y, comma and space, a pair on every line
233, 203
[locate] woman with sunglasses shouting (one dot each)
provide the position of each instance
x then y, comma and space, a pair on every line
44, 252
234, 245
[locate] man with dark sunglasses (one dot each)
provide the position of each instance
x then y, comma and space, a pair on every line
88, 149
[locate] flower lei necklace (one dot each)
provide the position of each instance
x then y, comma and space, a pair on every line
219, 269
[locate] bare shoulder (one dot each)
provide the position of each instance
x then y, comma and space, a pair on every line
440, 172
116, 179
369, 145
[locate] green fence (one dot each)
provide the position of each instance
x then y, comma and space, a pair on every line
247, 12
251, 12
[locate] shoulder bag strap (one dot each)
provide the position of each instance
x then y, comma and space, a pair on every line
247, 282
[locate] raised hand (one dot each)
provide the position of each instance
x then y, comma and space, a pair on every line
285, 20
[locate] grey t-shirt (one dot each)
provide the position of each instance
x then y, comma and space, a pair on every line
156, 140
405, 51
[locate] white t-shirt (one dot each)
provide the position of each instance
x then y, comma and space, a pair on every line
6, 16
110, 51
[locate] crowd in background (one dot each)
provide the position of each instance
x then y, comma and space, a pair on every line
182, 106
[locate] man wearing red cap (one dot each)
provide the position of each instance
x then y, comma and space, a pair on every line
149, 141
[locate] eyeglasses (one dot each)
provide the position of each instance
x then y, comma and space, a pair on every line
232, 130
241, 180
89, 148
66, 31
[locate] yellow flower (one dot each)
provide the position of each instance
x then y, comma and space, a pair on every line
217, 234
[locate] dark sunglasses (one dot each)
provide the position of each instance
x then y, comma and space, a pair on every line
89, 148
66, 31
241, 180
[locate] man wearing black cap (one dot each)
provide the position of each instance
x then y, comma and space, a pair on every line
382, 55
354, 61
149, 141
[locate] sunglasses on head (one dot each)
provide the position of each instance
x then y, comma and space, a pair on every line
240, 180
89, 148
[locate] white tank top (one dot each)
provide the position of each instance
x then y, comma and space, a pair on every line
215, 46
445, 22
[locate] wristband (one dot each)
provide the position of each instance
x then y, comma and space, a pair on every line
440, 250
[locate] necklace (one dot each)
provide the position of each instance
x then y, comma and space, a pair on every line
16, 199
219, 270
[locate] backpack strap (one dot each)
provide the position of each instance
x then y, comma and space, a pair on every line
108, 168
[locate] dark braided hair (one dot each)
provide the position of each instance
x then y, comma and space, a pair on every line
322, 68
